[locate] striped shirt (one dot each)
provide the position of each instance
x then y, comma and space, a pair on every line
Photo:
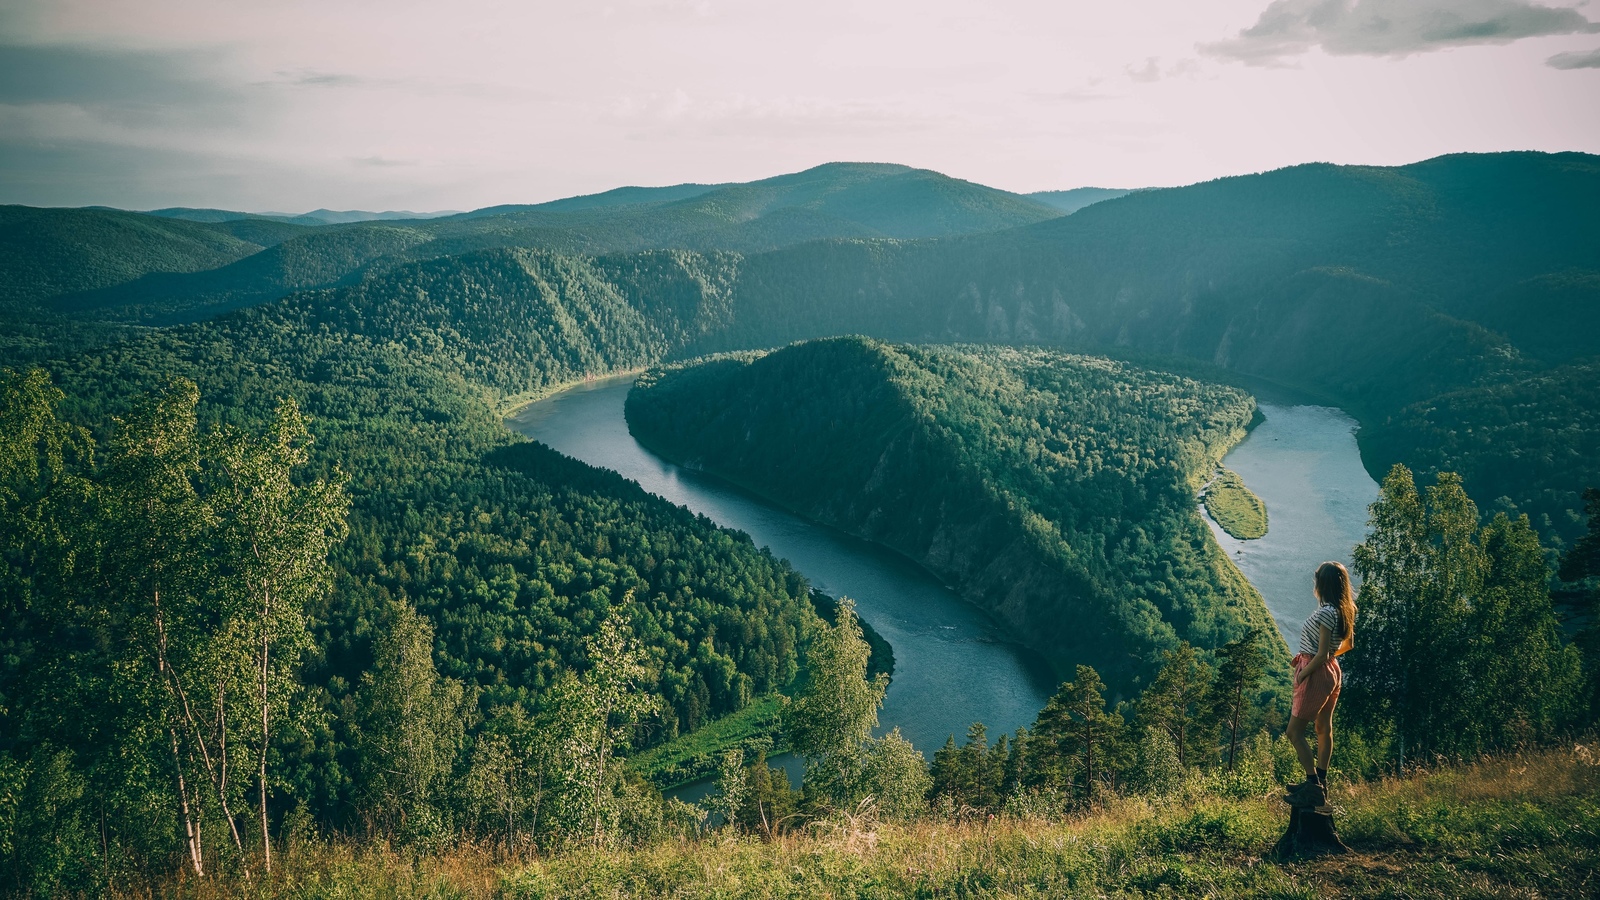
1311, 632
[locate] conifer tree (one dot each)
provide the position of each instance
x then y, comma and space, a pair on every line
1240, 665
1175, 702
1079, 731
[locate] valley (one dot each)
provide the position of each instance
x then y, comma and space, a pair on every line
983, 420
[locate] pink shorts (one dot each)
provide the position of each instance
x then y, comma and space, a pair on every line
1320, 689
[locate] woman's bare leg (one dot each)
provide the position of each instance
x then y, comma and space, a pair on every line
1297, 737
1324, 735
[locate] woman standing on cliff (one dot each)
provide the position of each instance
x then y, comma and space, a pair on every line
1328, 633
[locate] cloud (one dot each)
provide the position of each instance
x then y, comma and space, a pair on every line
1150, 72
1579, 59
382, 162
1289, 28
313, 78
173, 83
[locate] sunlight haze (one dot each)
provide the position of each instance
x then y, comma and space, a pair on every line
290, 106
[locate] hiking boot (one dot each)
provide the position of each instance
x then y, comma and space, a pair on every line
1308, 793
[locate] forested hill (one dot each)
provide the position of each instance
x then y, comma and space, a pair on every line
1057, 491
46, 253
838, 200
1378, 288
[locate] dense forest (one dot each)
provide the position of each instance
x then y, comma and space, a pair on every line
496, 562
1056, 491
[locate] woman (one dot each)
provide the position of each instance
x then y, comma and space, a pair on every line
1329, 632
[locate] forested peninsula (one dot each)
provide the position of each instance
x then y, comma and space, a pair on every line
1055, 491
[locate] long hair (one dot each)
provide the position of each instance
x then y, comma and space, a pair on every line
1333, 589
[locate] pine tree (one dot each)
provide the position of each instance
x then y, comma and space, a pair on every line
1240, 666
1079, 731
1175, 702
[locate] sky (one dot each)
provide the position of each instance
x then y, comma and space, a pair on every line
389, 104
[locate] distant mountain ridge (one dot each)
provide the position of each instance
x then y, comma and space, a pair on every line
832, 201
315, 217
1070, 201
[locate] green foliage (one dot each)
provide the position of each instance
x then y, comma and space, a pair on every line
832, 716
1075, 743
412, 728
1055, 490
1457, 649
771, 804
506, 548
1430, 300
1175, 703
1157, 771
1235, 507
1240, 665
49, 252
894, 776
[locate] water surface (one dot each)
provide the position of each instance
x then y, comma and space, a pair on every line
1303, 463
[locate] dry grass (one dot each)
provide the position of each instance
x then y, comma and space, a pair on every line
1520, 826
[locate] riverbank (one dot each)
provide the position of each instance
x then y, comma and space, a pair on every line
1507, 826
1234, 506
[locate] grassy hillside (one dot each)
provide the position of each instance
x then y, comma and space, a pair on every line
1056, 491
1505, 827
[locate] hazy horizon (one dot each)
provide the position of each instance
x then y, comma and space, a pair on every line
351, 105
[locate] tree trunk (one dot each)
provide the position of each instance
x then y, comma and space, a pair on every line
191, 828
1233, 726
266, 837
1088, 744
1310, 833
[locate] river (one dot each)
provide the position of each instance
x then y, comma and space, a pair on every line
1303, 463
953, 664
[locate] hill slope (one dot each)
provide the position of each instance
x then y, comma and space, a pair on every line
48, 252
1377, 288
832, 201
1055, 491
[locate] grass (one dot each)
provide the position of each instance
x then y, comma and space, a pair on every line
693, 756
1235, 507
1520, 826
